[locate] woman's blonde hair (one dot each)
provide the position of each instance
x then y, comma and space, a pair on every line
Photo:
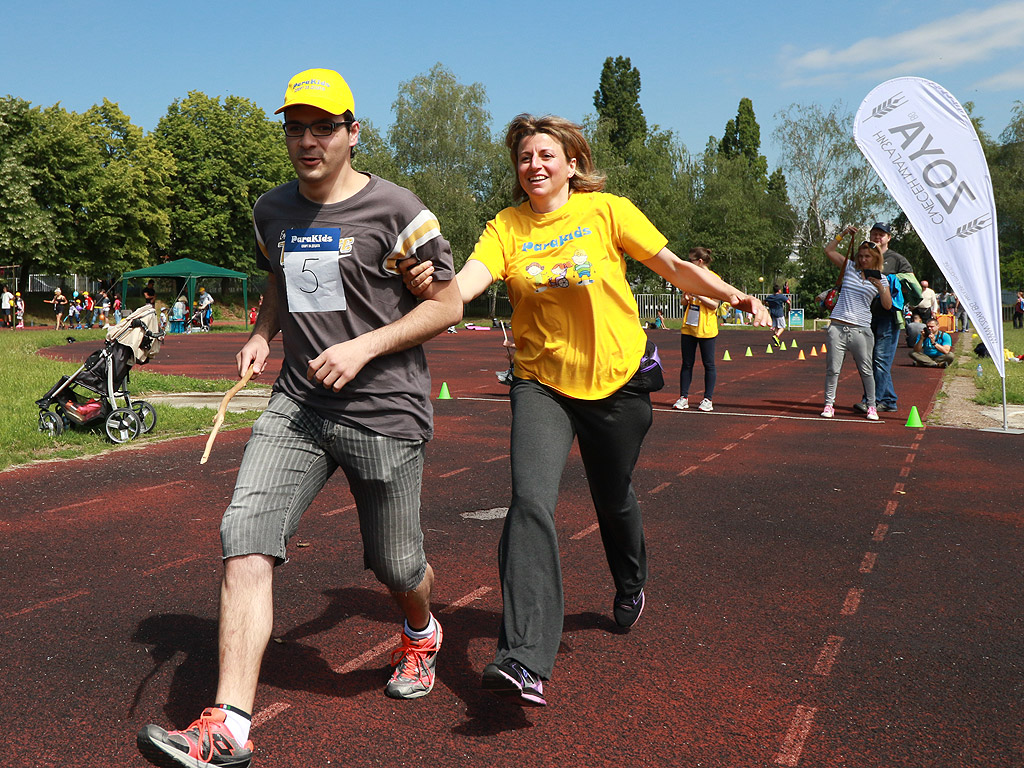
586, 178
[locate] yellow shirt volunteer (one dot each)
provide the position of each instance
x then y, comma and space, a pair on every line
706, 326
574, 317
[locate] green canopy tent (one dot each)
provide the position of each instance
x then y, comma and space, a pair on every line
191, 270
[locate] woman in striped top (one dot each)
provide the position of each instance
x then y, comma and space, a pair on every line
850, 328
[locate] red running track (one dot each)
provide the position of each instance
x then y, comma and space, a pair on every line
838, 593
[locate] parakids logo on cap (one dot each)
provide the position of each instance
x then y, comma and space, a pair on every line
307, 85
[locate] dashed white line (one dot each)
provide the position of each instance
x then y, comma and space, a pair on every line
585, 532
868, 563
852, 601
799, 729
46, 603
269, 713
880, 530
828, 655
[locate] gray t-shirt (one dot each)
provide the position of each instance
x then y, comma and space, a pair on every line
336, 280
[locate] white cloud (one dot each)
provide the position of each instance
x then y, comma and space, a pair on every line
1009, 80
946, 44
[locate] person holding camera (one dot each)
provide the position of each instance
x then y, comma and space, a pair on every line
850, 326
933, 348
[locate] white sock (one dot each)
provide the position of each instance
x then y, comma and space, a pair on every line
421, 634
238, 725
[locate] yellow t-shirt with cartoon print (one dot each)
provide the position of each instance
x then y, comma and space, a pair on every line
699, 320
574, 317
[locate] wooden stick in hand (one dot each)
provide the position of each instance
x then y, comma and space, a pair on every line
219, 418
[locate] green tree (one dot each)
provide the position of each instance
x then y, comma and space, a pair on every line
226, 155
128, 220
617, 100
742, 138
1007, 166
26, 228
442, 147
829, 181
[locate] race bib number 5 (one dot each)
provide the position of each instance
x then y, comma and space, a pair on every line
311, 270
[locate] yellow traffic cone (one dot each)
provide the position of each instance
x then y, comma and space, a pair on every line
749, 353
782, 346
726, 357
801, 357
823, 350
814, 352
768, 351
444, 394
792, 344
915, 418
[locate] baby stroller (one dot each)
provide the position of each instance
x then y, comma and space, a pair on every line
105, 373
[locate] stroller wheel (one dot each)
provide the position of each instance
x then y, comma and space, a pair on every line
146, 413
50, 423
122, 425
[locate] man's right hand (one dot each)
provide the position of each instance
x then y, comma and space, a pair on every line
254, 353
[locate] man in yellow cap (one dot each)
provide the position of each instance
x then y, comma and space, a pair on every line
353, 392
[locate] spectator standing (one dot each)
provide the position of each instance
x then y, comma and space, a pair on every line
929, 304
850, 326
700, 329
778, 304
886, 323
88, 307
19, 310
205, 301
962, 323
7, 306
149, 293
116, 306
60, 304
353, 392
933, 348
1018, 310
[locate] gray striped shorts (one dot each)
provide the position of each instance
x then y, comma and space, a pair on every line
292, 453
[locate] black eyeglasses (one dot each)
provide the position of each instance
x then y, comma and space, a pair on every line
321, 129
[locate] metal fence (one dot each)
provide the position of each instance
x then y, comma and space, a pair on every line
46, 283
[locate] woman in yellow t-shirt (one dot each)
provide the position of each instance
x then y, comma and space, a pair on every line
700, 327
577, 374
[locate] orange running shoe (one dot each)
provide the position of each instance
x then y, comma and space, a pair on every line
207, 742
414, 662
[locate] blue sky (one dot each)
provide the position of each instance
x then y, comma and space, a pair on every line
696, 60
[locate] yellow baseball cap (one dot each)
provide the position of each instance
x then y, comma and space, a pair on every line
322, 88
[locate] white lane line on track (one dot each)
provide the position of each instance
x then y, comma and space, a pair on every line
793, 743
496, 458
898, 488
880, 531
868, 563
711, 457
890, 508
76, 505
828, 655
585, 532
46, 603
455, 472
339, 510
174, 564
911, 457
660, 488
835, 419
688, 470
269, 713
852, 601
904, 471
393, 641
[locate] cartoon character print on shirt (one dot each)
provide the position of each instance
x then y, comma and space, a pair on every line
581, 266
535, 271
557, 275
